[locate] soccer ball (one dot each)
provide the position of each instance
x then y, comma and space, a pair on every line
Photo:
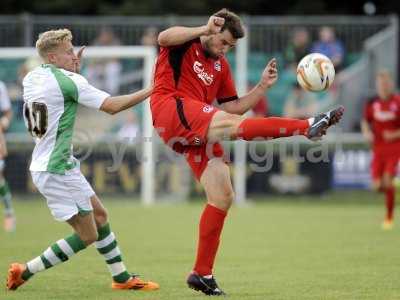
315, 72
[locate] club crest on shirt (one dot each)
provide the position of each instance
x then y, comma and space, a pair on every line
197, 141
208, 108
217, 66
198, 68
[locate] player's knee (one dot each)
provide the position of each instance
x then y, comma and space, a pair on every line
223, 125
233, 121
387, 185
387, 182
224, 199
101, 216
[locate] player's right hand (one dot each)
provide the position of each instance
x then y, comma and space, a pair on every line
214, 25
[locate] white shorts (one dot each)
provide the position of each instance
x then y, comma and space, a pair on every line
66, 195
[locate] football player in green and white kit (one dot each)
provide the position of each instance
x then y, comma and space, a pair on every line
5, 194
52, 93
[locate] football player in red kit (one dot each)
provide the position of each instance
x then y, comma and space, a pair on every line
381, 126
191, 73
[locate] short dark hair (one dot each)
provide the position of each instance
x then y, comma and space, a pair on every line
232, 23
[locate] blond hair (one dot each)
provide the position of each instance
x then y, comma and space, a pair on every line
51, 39
385, 74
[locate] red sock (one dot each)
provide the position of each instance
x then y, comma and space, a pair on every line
389, 194
210, 227
273, 127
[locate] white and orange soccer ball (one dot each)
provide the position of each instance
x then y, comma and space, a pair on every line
315, 72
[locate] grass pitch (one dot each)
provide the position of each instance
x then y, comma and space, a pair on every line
282, 248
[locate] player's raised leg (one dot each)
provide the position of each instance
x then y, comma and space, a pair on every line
217, 185
230, 126
107, 246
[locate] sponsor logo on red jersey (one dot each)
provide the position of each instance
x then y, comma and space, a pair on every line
384, 115
198, 68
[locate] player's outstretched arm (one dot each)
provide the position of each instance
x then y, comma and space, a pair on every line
113, 105
179, 35
248, 101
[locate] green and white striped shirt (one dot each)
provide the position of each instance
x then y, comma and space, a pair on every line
51, 96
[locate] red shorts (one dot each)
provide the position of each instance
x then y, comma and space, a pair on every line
382, 164
183, 123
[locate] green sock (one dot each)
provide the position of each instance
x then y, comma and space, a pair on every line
57, 253
107, 246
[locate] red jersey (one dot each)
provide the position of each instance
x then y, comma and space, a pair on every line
187, 71
384, 115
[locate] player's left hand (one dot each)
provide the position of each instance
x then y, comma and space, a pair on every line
270, 74
78, 62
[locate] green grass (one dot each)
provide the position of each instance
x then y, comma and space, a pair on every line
290, 248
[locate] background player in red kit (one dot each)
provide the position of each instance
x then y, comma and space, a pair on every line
191, 73
381, 126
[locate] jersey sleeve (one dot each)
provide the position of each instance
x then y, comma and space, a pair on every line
5, 103
88, 95
227, 89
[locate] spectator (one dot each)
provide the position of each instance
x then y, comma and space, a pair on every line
298, 47
330, 46
129, 131
300, 104
149, 37
105, 74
